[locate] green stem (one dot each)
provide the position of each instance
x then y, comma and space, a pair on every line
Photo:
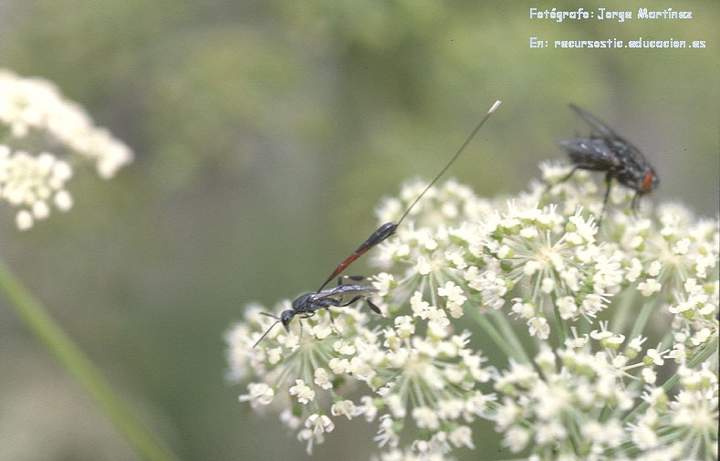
560, 327
642, 319
622, 312
508, 331
490, 330
583, 326
632, 450
37, 319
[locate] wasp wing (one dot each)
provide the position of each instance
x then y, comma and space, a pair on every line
347, 290
342, 292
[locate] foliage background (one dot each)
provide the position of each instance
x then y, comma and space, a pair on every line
265, 133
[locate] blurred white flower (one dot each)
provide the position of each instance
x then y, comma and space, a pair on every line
258, 393
31, 111
32, 184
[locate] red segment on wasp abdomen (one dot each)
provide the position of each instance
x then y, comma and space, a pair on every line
380, 234
346, 262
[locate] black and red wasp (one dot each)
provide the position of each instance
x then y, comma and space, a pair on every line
345, 294
607, 151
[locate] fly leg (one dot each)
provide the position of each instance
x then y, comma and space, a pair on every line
608, 184
635, 204
549, 186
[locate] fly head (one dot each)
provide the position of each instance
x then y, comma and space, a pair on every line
641, 179
650, 181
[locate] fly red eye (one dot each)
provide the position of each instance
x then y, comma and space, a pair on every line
647, 181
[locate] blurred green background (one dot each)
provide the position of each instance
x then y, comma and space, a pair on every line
266, 132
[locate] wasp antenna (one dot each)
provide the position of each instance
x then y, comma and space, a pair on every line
267, 314
266, 333
460, 150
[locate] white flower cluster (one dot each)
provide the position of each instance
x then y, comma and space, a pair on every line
607, 337
578, 402
428, 379
34, 113
30, 183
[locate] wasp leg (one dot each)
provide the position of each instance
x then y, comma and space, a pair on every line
332, 320
370, 304
327, 303
305, 315
373, 307
355, 278
354, 300
608, 184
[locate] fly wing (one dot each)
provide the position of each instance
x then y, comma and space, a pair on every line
629, 153
619, 145
591, 153
597, 125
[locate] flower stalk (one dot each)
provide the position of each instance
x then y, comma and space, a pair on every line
492, 332
37, 319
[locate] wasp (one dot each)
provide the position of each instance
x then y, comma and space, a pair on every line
306, 305
345, 294
607, 151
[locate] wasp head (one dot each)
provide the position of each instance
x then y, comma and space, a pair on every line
285, 317
649, 181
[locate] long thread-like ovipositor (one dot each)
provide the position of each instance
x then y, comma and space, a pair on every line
388, 229
307, 305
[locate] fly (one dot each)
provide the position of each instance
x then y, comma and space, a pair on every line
345, 294
607, 151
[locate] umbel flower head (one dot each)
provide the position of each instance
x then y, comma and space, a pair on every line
605, 340
33, 117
